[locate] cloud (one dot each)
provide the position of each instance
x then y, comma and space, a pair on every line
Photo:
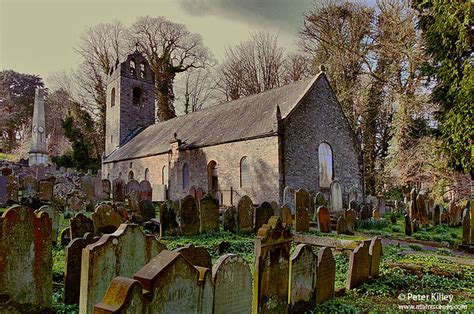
283, 14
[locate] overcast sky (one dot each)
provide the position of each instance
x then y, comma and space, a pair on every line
38, 36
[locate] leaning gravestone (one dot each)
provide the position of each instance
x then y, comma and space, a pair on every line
359, 266
119, 190
119, 254
336, 196
106, 219
271, 268
375, 251
209, 214
80, 224
325, 275
168, 222
189, 216
146, 191
286, 217
302, 204
25, 260
230, 219
72, 274
245, 214
302, 279
262, 214
147, 210
350, 217
232, 285
196, 255
289, 198
324, 220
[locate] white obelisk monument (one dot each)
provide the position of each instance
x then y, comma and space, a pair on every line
38, 153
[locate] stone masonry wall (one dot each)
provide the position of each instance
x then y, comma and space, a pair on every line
319, 118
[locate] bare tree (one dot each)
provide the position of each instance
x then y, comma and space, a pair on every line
196, 90
171, 49
296, 67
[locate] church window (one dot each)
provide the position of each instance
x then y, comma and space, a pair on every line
185, 176
130, 175
147, 174
112, 97
137, 96
325, 165
244, 172
164, 175
132, 68
142, 70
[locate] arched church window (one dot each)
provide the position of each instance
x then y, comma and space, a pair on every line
130, 175
142, 69
244, 172
147, 174
185, 176
325, 165
137, 96
112, 97
164, 175
132, 67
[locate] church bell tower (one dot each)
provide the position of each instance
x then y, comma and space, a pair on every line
130, 100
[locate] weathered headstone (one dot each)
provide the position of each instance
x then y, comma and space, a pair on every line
408, 225
3, 190
353, 205
25, 260
289, 198
286, 217
412, 209
88, 187
262, 214
365, 212
324, 219
381, 205
54, 216
119, 254
276, 208
245, 214
196, 255
123, 295
271, 272
232, 285
376, 214
466, 227
350, 217
437, 215
341, 226
65, 236
12, 189
325, 275
375, 252
106, 219
72, 272
189, 216
422, 209
133, 202
119, 190
80, 224
359, 266
230, 219
352, 195
209, 214
303, 264
336, 196
319, 200
45, 190
147, 210
146, 191
302, 204
168, 215
106, 188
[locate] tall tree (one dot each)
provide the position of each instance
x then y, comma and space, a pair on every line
447, 30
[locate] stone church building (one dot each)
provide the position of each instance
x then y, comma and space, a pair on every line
296, 135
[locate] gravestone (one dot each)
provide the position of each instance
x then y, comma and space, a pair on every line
106, 188
466, 227
192, 191
415, 226
408, 225
45, 188
189, 216
302, 204
232, 285
324, 220
412, 209
375, 252
12, 189
98, 191
146, 191
88, 185
381, 205
72, 272
147, 210
196, 255
132, 185
341, 226
123, 295
325, 275
376, 214
199, 194
353, 205
350, 217
25, 260
437, 215
276, 208
120, 209
271, 268
336, 196
3, 190
65, 236
289, 198
303, 264
119, 190
106, 219
168, 215
365, 212
133, 202
230, 219
286, 217
262, 214
422, 209
359, 266
30, 186
80, 224
54, 216
245, 214
119, 254
209, 214
352, 195
319, 200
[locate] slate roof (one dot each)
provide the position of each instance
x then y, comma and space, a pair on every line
245, 118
